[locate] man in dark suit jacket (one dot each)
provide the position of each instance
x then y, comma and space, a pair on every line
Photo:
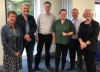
28, 26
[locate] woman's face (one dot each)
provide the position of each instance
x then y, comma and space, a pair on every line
88, 15
63, 14
12, 18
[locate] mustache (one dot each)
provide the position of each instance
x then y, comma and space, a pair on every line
25, 12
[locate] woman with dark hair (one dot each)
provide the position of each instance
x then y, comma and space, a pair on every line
12, 42
63, 29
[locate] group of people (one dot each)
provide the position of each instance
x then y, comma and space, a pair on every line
75, 34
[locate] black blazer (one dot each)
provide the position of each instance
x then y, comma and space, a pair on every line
91, 35
32, 25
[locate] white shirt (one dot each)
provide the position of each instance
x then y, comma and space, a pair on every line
45, 23
76, 23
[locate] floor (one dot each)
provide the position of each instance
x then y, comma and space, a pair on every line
42, 67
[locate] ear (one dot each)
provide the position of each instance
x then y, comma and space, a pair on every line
78, 13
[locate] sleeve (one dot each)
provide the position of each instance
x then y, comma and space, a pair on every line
31, 33
21, 41
54, 21
38, 24
72, 27
95, 34
54, 27
6, 47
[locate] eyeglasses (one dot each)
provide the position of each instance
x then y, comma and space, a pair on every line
63, 13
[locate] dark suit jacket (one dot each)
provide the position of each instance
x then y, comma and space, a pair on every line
91, 35
32, 25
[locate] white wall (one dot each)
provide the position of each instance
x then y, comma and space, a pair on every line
55, 7
2, 22
81, 5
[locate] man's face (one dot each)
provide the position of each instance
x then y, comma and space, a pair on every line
25, 9
12, 18
47, 7
75, 14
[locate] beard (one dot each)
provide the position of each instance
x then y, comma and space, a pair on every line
26, 13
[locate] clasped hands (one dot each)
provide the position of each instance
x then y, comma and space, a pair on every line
84, 45
27, 38
64, 34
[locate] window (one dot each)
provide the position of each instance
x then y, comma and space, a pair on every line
15, 5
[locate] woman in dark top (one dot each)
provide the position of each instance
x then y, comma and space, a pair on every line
88, 38
63, 29
12, 41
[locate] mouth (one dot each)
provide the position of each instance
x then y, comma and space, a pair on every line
26, 12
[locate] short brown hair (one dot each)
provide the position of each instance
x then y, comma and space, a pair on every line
75, 9
8, 14
47, 2
62, 10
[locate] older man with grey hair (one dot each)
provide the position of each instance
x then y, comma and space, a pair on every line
28, 26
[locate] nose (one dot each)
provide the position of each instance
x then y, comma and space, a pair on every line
27, 9
13, 17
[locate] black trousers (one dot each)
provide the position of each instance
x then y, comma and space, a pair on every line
61, 48
29, 50
47, 39
75, 47
89, 58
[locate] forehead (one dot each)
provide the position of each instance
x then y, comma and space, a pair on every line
63, 11
25, 6
88, 11
12, 14
47, 4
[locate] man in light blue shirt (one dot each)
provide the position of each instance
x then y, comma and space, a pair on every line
75, 45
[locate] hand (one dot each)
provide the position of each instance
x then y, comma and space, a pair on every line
53, 41
37, 39
64, 34
16, 54
26, 37
83, 45
28, 40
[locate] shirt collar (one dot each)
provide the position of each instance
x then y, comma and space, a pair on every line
75, 19
11, 26
46, 14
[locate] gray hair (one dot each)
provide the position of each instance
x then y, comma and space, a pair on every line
24, 4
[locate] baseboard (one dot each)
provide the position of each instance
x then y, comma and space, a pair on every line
1, 68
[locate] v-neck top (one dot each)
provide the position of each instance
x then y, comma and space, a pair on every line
66, 27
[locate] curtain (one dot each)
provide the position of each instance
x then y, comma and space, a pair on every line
67, 4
